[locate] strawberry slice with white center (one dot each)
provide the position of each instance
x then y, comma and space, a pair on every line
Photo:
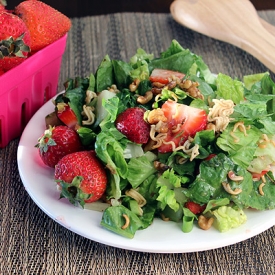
187, 120
66, 115
164, 76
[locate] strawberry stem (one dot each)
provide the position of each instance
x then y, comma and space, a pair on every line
11, 47
46, 140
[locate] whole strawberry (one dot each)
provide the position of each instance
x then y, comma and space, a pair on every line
14, 41
132, 124
57, 142
82, 177
45, 23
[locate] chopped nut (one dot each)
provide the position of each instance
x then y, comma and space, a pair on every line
146, 98
134, 85
113, 89
158, 84
149, 145
171, 85
155, 116
160, 166
156, 91
185, 84
166, 219
205, 223
162, 127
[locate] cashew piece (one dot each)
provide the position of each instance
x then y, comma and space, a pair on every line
205, 223
134, 85
155, 116
166, 219
146, 98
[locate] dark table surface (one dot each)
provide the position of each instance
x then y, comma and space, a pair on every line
33, 243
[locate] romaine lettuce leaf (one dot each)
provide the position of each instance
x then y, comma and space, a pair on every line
259, 201
208, 184
227, 217
242, 150
110, 151
142, 166
167, 183
113, 220
268, 88
250, 80
228, 88
122, 71
104, 76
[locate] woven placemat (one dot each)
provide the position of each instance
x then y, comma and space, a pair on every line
32, 243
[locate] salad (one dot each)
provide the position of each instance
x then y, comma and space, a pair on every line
178, 142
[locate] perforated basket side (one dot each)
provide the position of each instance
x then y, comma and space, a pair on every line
27, 87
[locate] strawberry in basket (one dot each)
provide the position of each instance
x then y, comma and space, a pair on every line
45, 23
14, 40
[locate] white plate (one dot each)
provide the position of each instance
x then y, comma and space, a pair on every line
160, 237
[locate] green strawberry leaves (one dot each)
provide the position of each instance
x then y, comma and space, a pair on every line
11, 47
73, 192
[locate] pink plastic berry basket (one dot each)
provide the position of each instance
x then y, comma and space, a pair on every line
25, 88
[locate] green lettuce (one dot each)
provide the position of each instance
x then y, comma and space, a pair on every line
104, 76
168, 184
143, 167
228, 88
113, 220
242, 150
226, 217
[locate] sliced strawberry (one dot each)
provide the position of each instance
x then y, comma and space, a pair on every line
132, 124
257, 176
194, 207
164, 76
66, 115
210, 157
189, 121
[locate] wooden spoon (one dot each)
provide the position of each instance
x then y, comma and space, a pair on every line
268, 26
235, 22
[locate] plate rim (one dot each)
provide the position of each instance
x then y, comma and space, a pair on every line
140, 242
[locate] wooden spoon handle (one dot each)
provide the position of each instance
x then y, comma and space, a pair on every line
269, 27
235, 22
